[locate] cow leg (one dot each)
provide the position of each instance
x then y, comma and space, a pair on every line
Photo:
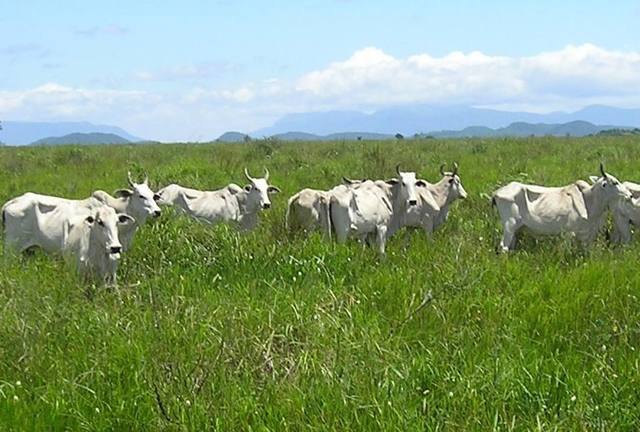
621, 230
382, 238
427, 226
509, 235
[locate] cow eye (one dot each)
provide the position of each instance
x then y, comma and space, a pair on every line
100, 222
451, 181
142, 197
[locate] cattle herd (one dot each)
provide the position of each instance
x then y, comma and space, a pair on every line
92, 233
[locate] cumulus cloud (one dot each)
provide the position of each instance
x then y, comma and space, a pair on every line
55, 101
575, 73
565, 79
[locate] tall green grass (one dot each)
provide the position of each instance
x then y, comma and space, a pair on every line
265, 331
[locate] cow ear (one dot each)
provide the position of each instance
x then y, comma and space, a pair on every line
89, 220
123, 193
421, 183
273, 189
392, 181
248, 188
125, 219
156, 197
594, 179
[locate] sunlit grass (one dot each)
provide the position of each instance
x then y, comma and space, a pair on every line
213, 329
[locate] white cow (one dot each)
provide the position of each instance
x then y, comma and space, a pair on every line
308, 209
578, 208
139, 202
87, 235
373, 209
93, 245
434, 201
230, 204
625, 214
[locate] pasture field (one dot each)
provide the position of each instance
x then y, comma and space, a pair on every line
215, 330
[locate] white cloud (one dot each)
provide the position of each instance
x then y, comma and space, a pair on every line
372, 77
570, 78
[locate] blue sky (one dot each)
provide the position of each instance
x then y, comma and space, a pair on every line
190, 70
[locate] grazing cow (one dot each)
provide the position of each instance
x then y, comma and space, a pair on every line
434, 201
88, 235
230, 204
625, 214
373, 209
139, 202
308, 209
578, 208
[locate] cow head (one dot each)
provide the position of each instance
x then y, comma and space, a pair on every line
103, 225
612, 187
258, 190
454, 182
142, 200
406, 184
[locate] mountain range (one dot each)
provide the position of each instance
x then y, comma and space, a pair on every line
576, 128
412, 119
23, 132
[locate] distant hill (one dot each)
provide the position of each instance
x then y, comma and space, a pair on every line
22, 132
522, 129
419, 118
303, 136
619, 132
232, 137
82, 138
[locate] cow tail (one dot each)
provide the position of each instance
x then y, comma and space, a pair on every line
329, 218
327, 209
287, 215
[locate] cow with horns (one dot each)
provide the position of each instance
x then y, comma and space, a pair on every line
374, 209
139, 202
435, 200
229, 204
85, 232
578, 208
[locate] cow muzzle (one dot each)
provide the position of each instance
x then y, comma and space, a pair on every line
413, 202
266, 206
115, 250
157, 213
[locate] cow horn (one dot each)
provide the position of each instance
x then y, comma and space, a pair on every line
398, 169
442, 169
246, 174
266, 173
146, 178
455, 168
604, 174
131, 182
347, 180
